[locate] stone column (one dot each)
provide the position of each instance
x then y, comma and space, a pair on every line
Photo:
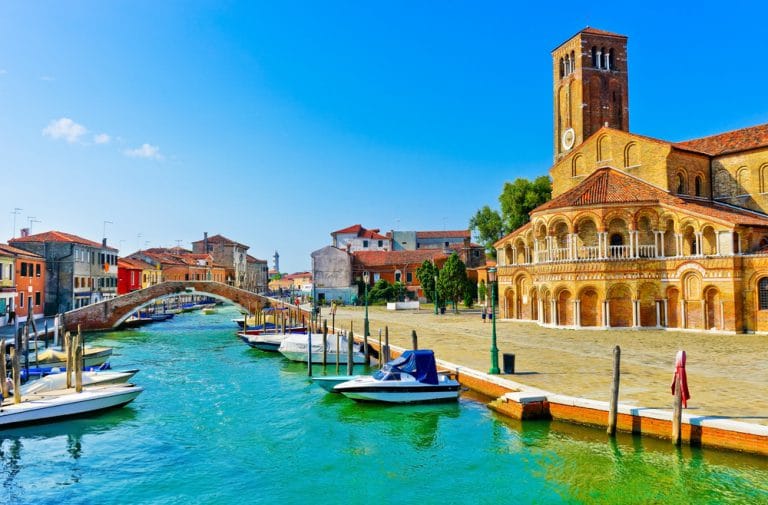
682, 313
577, 313
665, 302
678, 244
635, 313
553, 311
699, 244
527, 254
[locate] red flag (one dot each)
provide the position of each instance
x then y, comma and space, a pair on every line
680, 369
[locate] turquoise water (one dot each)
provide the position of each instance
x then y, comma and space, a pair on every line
220, 423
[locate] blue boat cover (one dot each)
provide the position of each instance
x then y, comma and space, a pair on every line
419, 363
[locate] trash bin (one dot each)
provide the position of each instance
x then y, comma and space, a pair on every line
509, 363
442, 310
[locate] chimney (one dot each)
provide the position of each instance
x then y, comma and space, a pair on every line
104, 242
25, 232
205, 242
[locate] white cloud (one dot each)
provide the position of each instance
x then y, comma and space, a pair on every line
64, 128
145, 151
101, 138
3, 71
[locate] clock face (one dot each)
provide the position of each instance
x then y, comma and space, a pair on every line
569, 137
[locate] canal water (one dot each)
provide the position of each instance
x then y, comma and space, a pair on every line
220, 423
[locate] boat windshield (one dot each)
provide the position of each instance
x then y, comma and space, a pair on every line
387, 375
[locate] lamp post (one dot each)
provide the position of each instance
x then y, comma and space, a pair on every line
435, 294
494, 350
366, 278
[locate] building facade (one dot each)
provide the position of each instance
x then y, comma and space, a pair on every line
242, 271
640, 232
78, 271
22, 284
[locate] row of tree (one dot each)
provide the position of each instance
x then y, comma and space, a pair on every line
453, 285
517, 200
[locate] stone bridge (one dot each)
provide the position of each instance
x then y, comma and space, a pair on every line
110, 314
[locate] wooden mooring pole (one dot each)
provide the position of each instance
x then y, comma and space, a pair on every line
677, 414
3, 372
16, 375
68, 354
414, 340
386, 344
381, 351
350, 353
309, 354
325, 343
614, 400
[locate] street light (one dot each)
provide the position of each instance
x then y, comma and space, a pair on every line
494, 350
366, 278
435, 294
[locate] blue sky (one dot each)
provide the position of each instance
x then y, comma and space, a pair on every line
275, 123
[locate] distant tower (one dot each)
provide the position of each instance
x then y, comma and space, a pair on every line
276, 259
590, 87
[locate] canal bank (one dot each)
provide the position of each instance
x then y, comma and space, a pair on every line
567, 374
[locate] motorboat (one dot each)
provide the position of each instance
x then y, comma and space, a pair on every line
294, 347
136, 321
64, 403
263, 341
411, 378
93, 357
57, 381
328, 382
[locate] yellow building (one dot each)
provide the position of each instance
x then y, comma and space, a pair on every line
640, 232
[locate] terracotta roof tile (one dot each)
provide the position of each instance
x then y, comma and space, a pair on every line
9, 250
389, 258
445, 233
59, 236
608, 186
355, 228
728, 142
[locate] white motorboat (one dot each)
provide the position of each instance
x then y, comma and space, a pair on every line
58, 381
328, 382
294, 347
63, 403
93, 357
411, 378
263, 341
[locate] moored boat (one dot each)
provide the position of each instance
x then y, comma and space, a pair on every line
328, 382
411, 378
58, 381
59, 404
294, 347
93, 357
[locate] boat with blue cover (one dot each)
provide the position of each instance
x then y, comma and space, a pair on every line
411, 378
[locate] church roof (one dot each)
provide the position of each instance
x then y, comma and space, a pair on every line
729, 142
610, 186
595, 31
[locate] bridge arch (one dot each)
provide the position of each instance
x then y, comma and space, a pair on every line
109, 314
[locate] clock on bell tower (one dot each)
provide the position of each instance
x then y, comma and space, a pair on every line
590, 87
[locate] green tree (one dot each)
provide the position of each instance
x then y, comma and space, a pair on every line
469, 293
426, 275
452, 281
381, 291
520, 197
488, 228
482, 292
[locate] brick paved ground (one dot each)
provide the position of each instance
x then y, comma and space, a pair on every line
727, 374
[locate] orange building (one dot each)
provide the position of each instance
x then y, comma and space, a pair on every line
25, 282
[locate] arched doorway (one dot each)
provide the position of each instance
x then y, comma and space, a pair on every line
647, 296
588, 311
565, 308
620, 306
546, 311
713, 319
673, 308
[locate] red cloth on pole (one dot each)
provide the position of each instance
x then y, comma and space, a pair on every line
680, 369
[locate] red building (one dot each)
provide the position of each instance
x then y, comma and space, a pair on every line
129, 273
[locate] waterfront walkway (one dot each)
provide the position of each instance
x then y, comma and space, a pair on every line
727, 374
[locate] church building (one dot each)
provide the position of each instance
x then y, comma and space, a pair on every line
640, 232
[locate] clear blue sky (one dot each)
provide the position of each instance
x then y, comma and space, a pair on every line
275, 123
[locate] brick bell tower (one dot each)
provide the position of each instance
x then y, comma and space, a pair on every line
590, 89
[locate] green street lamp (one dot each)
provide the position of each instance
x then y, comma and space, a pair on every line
435, 294
494, 350
366, 278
